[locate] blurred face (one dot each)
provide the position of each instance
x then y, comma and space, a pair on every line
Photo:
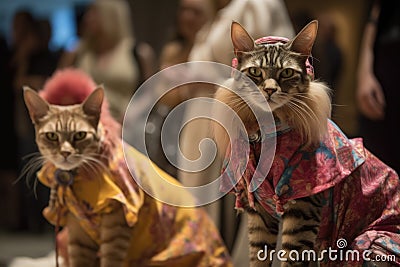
20, 28
17, 32
192, 15
25, 35
91, 25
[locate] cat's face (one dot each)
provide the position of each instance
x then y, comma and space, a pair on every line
67, 136
278, 69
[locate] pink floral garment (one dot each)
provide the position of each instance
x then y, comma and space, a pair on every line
362, 193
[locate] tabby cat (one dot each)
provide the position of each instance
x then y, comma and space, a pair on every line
322, 187
110, 220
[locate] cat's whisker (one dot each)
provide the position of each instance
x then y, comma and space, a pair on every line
98, 155
30, 167
94, 164
303, 114
89, 166
237, 107
301, 104
35, 184
93, 168
242, 108
298, 111
234, 103
305, 108
304, 96
339, 105
233, 96
312, 58
31, 155
29, 171
98, 163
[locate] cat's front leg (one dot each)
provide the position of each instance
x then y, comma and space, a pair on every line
82, 250
300, 226
263, 230
115, 237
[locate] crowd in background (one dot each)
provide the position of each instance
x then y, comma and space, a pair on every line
109, 51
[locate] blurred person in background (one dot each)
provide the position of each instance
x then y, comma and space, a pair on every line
191, 16
327, 54
378, 94
109, 53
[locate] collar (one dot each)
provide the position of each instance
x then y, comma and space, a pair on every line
64, 177
269, 131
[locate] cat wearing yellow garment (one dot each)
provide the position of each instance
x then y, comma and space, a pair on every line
111, 221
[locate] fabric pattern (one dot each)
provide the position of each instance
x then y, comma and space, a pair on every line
163, 235
362, 193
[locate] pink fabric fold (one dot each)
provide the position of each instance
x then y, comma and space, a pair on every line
362, 193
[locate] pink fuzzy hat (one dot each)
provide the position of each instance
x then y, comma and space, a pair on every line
68, 87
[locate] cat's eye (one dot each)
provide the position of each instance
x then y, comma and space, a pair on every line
254, 71
287, 73
79, 136
52, 136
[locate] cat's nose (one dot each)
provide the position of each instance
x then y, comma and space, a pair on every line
65, 154
270, 91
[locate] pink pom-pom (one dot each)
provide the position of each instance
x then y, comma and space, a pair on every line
235, 63
68, 87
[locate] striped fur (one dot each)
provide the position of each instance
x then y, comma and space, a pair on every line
115, 241
68, 137
300, 225
280, 73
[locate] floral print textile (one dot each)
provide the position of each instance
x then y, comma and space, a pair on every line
362, 193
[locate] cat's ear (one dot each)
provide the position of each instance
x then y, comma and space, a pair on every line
241, 39
37, 106
92, 105
304, 40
